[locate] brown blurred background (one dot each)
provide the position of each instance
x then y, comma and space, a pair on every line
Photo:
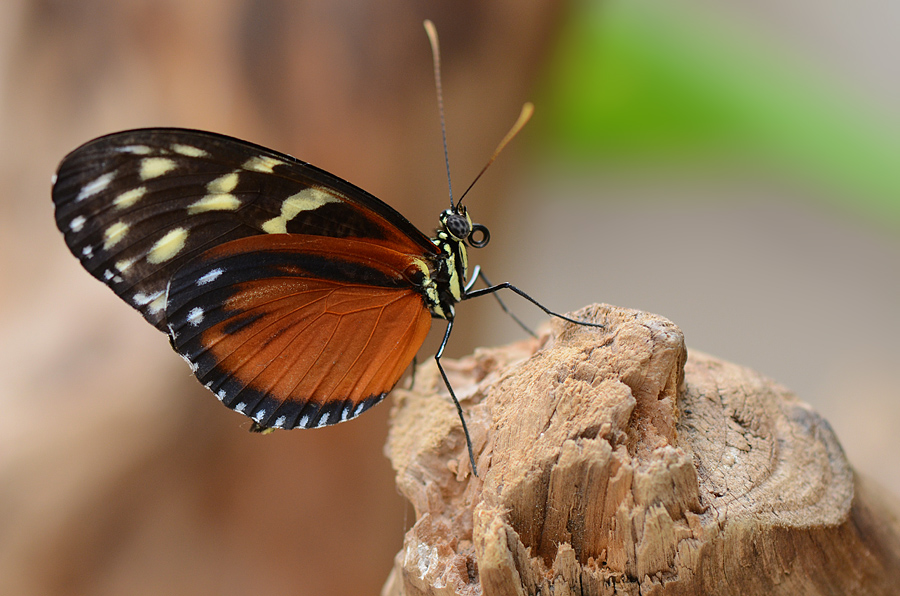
120, 474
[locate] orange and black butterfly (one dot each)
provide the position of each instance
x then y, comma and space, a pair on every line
297, 298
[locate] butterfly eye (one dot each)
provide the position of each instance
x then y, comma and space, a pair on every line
458, 225
481, 242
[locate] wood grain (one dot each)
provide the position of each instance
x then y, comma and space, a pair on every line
614, 461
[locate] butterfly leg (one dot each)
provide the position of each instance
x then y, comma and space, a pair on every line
462, 418
412, 372
476, 273
508, 286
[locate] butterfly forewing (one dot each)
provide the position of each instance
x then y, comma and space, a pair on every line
298, 330
138, 205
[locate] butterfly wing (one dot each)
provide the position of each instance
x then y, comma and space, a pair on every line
298, 330
295, 296
136, 206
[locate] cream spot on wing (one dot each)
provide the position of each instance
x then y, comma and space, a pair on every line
223, 184
136, 149
195, 317
95, 186
262, 163
168, 246
210, 277
307, 199
154, 167
123, 266
77, 223
189, 150
158, 304
214, 203
129, 197
114, 234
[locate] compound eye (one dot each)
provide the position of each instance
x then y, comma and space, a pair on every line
476, 242
458, 226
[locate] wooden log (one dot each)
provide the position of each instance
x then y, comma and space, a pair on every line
611, 461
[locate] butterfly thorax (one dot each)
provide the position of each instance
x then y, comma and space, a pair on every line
446, 285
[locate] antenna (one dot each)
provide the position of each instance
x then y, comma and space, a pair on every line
436, 54
524, 117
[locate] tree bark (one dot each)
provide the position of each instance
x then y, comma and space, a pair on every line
611, 461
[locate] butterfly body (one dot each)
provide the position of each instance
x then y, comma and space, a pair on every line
297, 298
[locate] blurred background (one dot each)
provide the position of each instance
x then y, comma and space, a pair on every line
732, 165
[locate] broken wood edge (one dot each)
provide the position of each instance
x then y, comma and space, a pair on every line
612, 460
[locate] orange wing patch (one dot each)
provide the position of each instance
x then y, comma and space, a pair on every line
306, 332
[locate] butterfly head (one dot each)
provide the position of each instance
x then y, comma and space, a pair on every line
458, 225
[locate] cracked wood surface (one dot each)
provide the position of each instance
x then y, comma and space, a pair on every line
612, 461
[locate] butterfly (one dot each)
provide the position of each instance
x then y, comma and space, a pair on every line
297, 298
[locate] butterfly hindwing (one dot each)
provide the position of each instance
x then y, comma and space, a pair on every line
281, 327
137, 206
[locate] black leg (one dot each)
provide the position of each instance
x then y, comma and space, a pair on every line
412, 372
508, 286
437, 359
476, 273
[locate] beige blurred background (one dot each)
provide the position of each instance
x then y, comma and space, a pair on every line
120, 474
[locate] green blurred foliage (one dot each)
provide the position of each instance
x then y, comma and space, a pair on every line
654, 84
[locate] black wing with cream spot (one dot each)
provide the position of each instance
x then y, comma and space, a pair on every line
137, 206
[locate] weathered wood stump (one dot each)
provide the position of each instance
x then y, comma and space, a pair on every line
612, 462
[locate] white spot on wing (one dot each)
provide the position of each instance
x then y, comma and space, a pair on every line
307, 199
191, 364
141, 299
220, 394
304, 421
279, 422
108, 275
87, 252
240, 407
259, 415
114, 234
323, 421
359, 409
136, 149
345, 413
154, 167
210, 277
195, 317
98, 185
77, 223
168, 246
129, 197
